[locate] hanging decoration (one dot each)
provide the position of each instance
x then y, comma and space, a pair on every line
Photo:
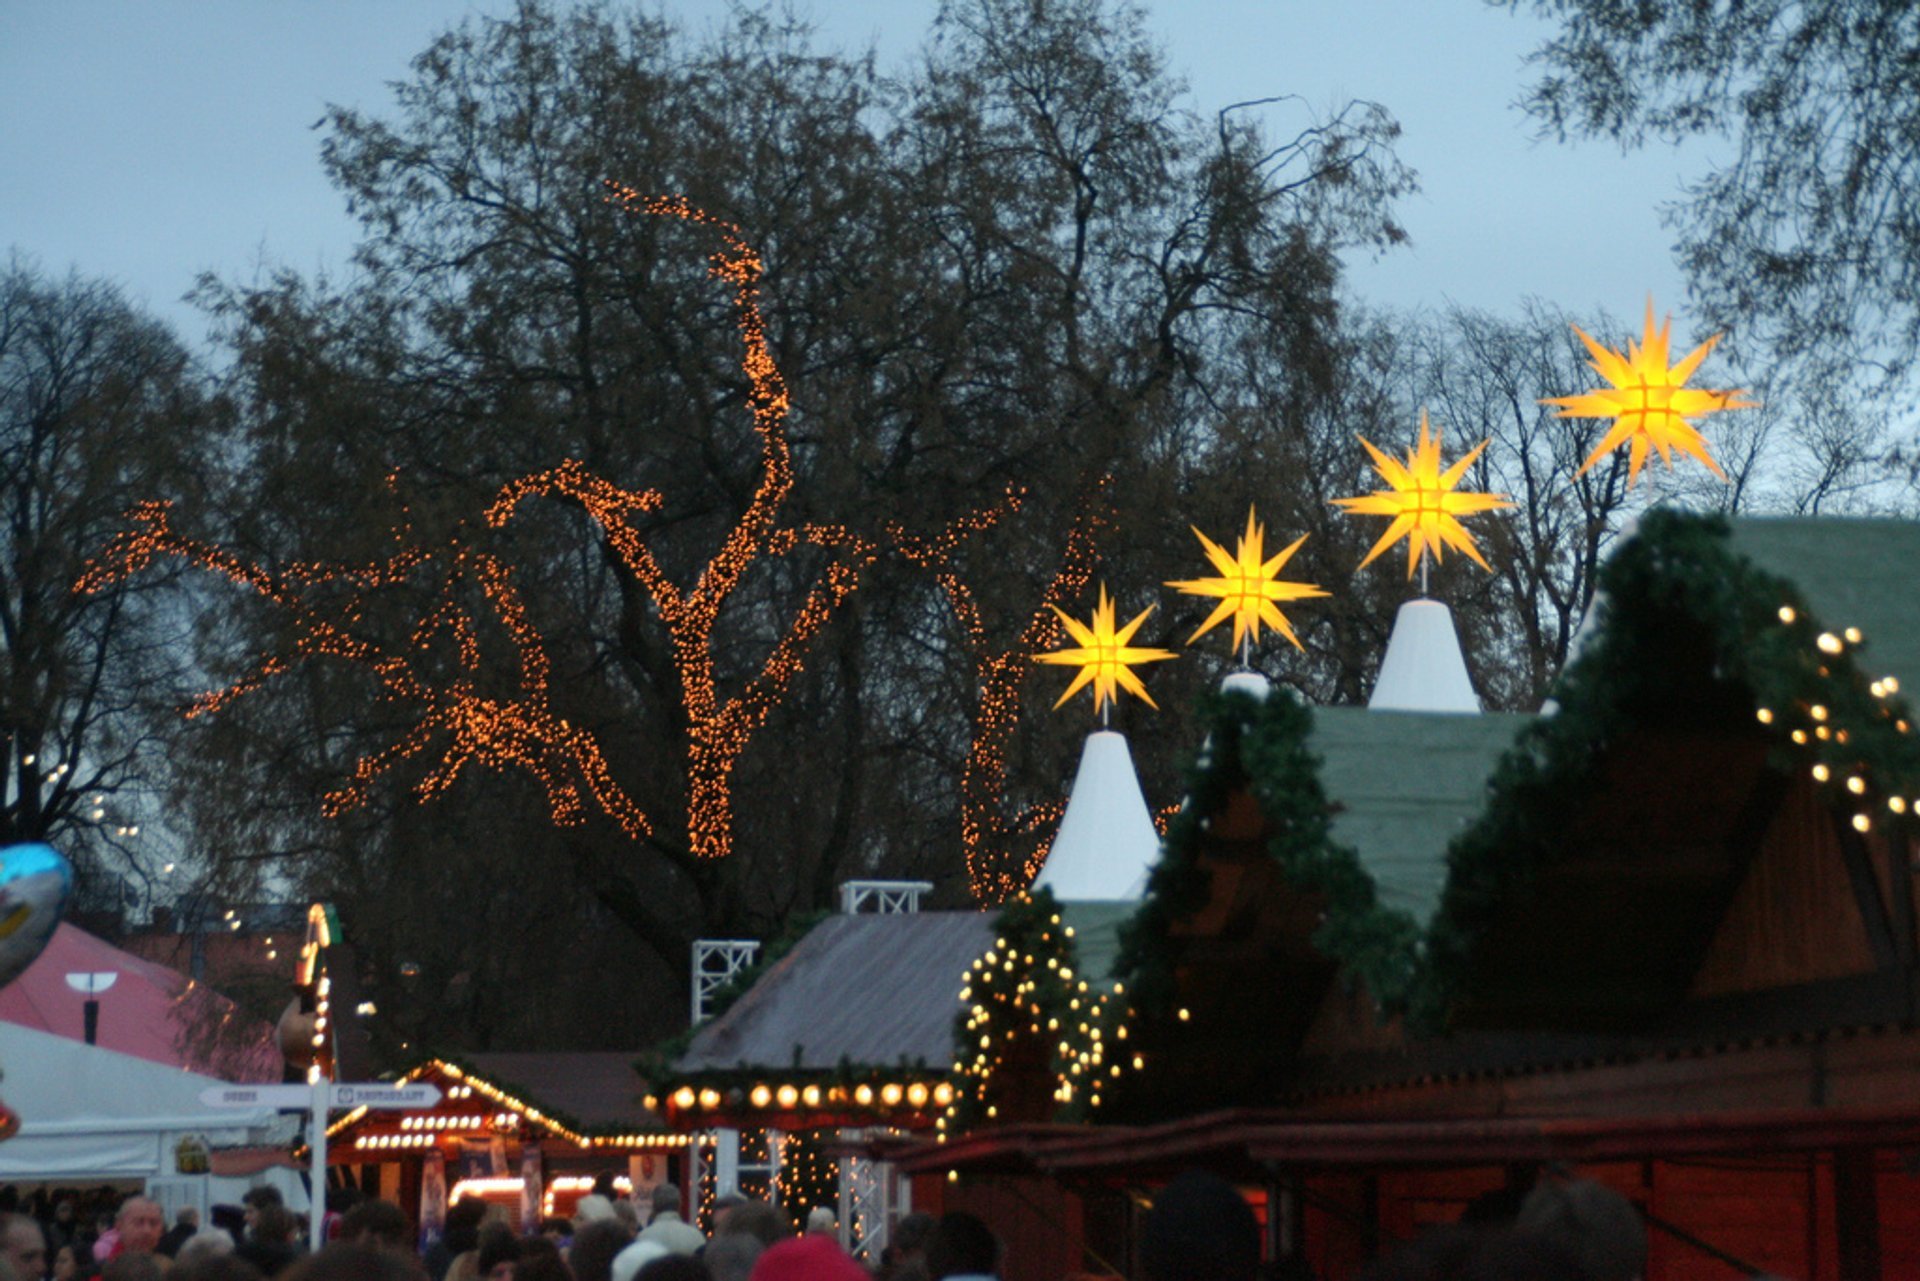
1424, 503
34, 883
1248, 587
1104, 655
1649, 402
1037, 1039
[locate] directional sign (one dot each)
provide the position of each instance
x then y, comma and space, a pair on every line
372, 1094
385, 1097
258, 1096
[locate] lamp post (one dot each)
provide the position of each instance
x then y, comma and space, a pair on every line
91, 983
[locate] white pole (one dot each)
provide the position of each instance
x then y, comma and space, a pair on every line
317, 1147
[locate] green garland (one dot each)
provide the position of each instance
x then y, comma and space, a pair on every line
1262, 745
1678, 576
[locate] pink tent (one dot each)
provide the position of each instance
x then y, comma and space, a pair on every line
150, 1012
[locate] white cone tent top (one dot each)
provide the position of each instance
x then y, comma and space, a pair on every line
1424, 670
1107, 843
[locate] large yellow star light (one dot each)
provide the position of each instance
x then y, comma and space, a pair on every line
1648, 402
1426, 509
1103, 655
1247, 586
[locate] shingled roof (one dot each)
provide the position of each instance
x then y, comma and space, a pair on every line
872, 990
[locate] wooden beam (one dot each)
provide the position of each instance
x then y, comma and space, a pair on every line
1856, 1214
1867, 897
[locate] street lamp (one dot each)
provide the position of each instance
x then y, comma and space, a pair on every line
91, 983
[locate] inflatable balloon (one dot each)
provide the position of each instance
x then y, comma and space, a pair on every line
34, 881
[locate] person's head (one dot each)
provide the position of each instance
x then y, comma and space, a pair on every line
603, 1185
132, 1266
377, 1222
594, 1245
215, 1267
140, 1225
274, 1225
463, 1223
672, 1267
1598, 1226
807, 1258
820, 1219
499, 1251
961, 1243
187, 1216
210, 1244
66, 1263
1200, 1229
257, 1199
666, 1197
909, 1236
554, 1228
24, 1245
350, 1261
591, 1208
731, 1256
764, 1223
540, 1261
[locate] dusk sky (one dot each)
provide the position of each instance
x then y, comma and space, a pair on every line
151, 141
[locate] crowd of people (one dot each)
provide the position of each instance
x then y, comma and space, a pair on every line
70, 1235
1199, 1229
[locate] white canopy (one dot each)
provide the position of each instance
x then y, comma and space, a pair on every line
88, 1114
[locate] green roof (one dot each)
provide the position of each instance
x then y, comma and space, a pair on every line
1854, 573
1096, 934
1402, 784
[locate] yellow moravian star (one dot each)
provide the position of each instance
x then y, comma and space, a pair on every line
1104, 657
1426, 509
1247, 587
1649, 402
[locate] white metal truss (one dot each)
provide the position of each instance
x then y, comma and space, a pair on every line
872, 1197
886, 897
717, 962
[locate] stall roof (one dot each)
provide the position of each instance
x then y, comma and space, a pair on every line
1854, 573
598, 1089
150, 1012
1401, 784
874, 990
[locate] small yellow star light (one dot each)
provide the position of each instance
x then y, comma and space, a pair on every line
1247, 587
1648, 402
1422, 501
1103, 656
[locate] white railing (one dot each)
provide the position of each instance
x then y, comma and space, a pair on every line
883, 898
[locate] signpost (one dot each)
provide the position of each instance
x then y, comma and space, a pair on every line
317, 1099
378, 1095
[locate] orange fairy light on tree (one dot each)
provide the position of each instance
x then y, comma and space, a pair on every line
1424, 503
1649, 402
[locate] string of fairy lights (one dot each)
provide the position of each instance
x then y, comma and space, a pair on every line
1029, 1017
1003, 851
1817, 725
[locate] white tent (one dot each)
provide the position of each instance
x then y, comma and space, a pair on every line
91, 1115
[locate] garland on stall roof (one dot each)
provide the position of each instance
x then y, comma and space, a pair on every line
1031, 1020
1770, 657
1262, 745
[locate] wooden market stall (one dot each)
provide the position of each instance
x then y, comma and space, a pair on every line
530, 1131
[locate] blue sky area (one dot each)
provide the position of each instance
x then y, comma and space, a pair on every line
151, 141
